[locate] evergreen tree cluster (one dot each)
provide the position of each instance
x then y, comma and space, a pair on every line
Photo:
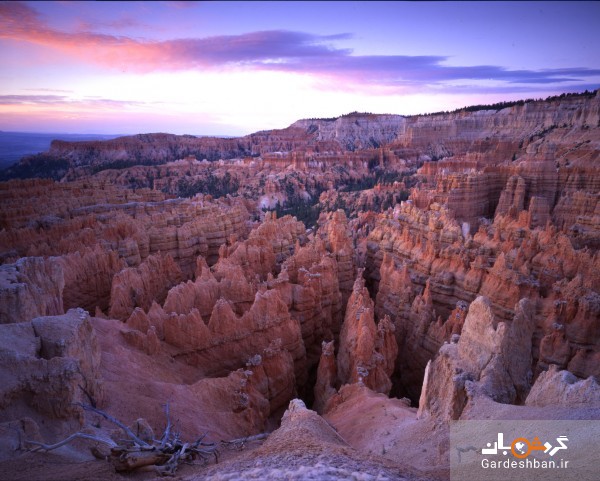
211, 185
502, 105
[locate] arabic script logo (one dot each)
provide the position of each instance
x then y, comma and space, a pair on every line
521, 447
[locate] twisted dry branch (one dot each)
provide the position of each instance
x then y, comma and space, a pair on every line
165, 436
240, 443
50, 447
130, 454
127, 431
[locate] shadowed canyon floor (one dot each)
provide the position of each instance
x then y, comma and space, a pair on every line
348, 286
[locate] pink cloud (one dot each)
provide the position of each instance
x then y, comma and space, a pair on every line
275, 50
20, 22
122, 23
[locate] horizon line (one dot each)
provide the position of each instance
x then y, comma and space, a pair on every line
550, 98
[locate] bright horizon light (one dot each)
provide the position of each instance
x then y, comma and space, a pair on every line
233, 68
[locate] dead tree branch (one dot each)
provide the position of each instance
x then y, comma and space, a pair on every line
127, 431
130, 454
90, 398
165, 436
50, 447
240, 443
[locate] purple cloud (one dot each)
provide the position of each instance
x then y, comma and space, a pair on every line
60, 91
31, 99
274, 50
63, 100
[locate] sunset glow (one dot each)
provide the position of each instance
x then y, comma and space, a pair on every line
231, 68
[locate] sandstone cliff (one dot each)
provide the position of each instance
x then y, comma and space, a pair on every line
491, 358
430, 135
30, 288
448, 258
47, 366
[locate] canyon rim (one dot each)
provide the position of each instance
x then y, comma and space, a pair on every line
393, 273
385, 266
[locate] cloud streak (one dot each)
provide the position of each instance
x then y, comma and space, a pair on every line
61, 100
60, 91
31, 99
274, 50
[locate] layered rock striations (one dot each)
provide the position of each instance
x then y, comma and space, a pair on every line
309, 284
223, 341
367, 351
135, 225
47, 366
491, 358
89, 276
90, 243
424, 259
436, 134
450, 258
338, 239
267, 288
29, 288
141, 286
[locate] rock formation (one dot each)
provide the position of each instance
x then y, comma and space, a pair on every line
31, 287
561, 388
307, 447
490, 357
309, 285
448, 260
48, 365
367, 351
326, 377
89, 275
434, 135
140, 286
338, 240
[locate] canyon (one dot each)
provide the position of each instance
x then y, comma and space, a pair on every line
348, 286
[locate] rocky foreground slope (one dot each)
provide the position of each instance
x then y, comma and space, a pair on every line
447, 268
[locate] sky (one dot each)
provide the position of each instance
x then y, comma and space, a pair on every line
232, 68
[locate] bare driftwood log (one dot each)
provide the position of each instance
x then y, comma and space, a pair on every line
125, 461
132, 453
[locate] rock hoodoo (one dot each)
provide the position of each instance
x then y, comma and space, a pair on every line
394, 273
